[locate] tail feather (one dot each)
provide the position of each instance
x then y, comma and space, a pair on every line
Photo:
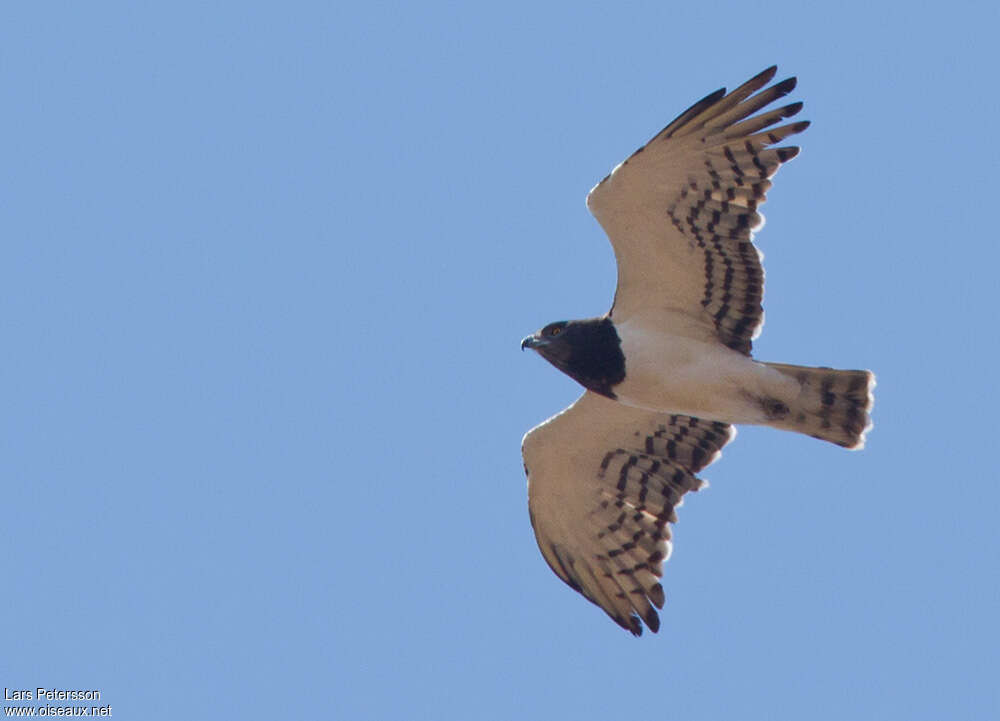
831, 405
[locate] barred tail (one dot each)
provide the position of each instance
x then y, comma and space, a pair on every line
831, 405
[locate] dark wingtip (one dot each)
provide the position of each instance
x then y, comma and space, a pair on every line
634, 625
766, 74
791, 109
656, 595
785, 86
652, 620
711, 97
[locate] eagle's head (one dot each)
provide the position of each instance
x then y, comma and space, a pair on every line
589, 351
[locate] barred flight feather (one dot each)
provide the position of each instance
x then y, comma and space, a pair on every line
708, 172
614, 506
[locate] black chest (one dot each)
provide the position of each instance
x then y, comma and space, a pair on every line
594, 358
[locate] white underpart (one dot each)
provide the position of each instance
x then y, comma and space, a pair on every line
680, 374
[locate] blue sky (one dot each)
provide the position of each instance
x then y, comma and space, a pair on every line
264, 274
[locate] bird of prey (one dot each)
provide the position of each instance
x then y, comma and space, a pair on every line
668, 369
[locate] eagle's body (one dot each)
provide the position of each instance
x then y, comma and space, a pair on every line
705, 379
668, 369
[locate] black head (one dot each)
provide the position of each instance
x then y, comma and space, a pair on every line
589, 351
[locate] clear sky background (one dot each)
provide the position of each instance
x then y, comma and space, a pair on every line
264, 271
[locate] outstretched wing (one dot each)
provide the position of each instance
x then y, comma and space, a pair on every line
680, 212
603, 482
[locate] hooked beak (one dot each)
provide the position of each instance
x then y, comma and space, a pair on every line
532, 341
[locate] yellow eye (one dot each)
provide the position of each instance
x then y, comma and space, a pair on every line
555, 331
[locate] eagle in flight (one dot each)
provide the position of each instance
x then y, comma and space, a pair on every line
668, 369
